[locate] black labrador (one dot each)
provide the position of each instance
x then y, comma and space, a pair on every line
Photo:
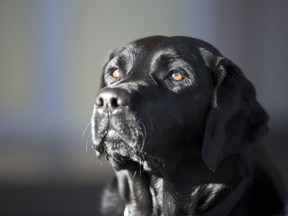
180, 125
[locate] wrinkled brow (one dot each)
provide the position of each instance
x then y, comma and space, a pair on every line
163, 56
171, 59
124, 60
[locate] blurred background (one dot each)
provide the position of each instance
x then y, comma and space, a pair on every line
51, 53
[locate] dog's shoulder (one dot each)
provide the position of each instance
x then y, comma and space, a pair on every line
265, 193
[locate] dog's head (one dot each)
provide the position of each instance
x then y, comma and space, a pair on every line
163, 99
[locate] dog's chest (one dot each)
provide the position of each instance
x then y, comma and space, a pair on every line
143, 195
156, 191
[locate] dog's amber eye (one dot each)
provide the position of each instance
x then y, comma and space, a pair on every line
116, 73
177, 76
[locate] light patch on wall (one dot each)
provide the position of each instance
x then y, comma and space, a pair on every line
15, 68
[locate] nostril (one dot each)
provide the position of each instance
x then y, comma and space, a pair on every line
114, 102
99, 101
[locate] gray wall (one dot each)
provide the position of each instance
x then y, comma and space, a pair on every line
51, 54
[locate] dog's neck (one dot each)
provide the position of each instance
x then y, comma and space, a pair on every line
149, 194
145, 194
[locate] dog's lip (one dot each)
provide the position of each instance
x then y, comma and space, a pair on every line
99, 139
148, 161
100, 142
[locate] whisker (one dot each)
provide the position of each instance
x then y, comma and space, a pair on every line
140, 159
112, 155
140, 167
144, 133
87, 135
134, 175
88, 140
85, 130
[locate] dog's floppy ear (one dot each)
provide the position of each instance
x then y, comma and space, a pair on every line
236, 120
111, 55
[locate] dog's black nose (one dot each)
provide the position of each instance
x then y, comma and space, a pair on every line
110, 99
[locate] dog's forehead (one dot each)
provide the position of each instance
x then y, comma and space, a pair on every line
149, 51
149, 47
153, 47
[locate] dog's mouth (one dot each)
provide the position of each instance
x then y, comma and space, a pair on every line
123, 146
111, 143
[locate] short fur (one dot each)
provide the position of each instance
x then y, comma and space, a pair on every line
182, 147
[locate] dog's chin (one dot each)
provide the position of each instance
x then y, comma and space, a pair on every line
137, 162
122, 156
120, 162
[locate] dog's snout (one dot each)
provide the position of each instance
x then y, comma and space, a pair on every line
110, 99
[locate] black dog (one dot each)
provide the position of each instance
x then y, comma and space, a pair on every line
180, 125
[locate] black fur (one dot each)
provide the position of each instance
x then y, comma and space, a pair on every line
182, 147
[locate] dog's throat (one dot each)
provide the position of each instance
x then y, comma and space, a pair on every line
134, 189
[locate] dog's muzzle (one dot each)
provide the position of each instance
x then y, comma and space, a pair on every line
117, 133
111, 121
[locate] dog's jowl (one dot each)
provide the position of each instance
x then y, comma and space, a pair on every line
181, 126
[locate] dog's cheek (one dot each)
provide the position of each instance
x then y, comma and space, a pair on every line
163, 142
